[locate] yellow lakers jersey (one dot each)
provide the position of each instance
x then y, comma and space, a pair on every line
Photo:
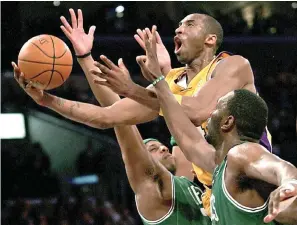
193, 87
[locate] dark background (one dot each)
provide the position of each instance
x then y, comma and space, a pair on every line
36, 170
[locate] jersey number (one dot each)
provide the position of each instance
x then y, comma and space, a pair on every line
214, 215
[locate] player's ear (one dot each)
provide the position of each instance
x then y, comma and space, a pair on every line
211, 40
228, 123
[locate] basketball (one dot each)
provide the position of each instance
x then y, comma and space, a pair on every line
46, 60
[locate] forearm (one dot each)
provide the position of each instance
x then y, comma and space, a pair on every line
103, 94
80, 112
188, 138
285, 172
145, 96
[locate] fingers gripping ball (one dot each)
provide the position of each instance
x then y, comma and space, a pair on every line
46, 60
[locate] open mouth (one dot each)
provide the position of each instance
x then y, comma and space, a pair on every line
177, 44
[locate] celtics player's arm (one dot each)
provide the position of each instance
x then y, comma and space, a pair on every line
187, 136
142, 170
231, 73
103, 94
257, 163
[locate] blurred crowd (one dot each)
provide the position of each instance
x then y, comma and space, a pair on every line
65, 211
32, 194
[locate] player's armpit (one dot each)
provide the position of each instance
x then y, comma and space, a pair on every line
230, 74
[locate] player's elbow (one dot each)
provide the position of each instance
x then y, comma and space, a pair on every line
204, 156
100, 122
197, 117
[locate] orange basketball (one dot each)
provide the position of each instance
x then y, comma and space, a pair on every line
46, 60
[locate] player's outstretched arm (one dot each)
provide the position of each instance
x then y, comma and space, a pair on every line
82, 43
125, 111
258, 163
88, 114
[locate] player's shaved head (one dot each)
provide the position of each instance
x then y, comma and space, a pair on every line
212, 26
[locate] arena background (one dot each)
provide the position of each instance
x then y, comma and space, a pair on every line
60, 172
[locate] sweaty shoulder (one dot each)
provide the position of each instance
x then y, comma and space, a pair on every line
238, 69
235, 64
235, 60
245, 153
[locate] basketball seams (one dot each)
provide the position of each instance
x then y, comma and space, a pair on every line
60, 75
39, 74
41, 49
40, 65
54, 59
57, 64
48, 71
58, 57
62, 54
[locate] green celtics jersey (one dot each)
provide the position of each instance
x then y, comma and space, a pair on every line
226, 211
186, 208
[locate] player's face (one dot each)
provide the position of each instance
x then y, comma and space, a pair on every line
161, 153
189, 39
214, 134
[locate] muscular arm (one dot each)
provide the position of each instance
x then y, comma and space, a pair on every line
188, 138
139, 164
232, 73
258, 163
80, 112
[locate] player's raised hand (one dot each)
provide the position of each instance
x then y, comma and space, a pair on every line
280, 200
36, 94
162, 53
82, 42
149, 65
116, 77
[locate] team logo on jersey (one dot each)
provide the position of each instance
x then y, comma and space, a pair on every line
196, 193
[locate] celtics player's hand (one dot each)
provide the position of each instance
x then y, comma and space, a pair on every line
150, 65
28, 86
162, 53
82, 42
117, 78
281, 199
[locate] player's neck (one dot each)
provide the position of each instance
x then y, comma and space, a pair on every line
222, 150
198, 64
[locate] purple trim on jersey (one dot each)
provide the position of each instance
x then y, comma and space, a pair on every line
265, 142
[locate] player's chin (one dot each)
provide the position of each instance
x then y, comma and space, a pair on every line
181, 58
